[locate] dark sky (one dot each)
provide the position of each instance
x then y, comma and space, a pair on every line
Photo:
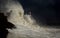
45, 11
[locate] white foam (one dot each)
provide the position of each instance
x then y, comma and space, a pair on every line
26, 27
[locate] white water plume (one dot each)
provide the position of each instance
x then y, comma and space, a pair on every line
26, 27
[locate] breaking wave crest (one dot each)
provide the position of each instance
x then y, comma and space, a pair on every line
26, 26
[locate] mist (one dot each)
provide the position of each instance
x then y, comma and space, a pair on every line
26, 25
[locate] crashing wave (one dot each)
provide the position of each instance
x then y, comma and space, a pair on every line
26, 26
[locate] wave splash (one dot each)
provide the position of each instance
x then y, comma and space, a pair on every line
26, 26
